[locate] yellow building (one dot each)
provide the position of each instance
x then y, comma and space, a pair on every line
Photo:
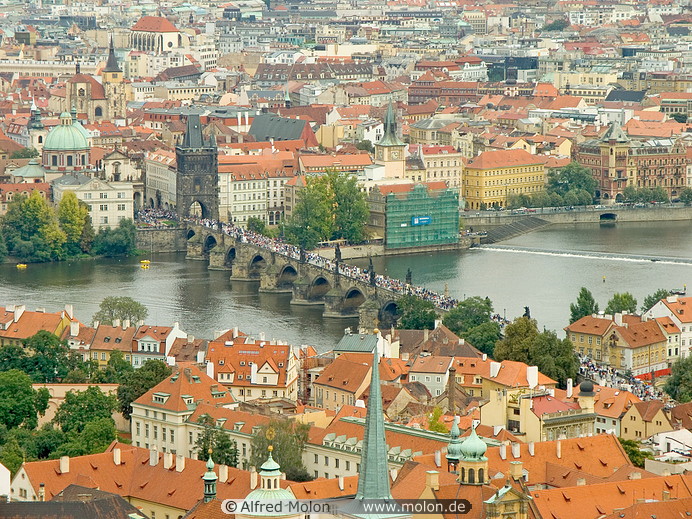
643, 420
494, 175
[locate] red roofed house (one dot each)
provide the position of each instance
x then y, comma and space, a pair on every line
17, 323
154, 342
156, 34
253, 369
679, 310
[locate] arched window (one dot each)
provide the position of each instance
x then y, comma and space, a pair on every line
480, 476
40, 139
69, 160
463, 475
54, 160
98, 111
472, 476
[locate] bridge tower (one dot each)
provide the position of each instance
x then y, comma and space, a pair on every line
197, 188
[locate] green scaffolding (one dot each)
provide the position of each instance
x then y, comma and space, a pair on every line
421, 218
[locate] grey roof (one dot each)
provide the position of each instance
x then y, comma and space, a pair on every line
615, 133
193, 134
631, 96
112, 63
72, 179
265, 127
431, 123
357, 342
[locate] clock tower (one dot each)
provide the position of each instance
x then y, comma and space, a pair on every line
389, 150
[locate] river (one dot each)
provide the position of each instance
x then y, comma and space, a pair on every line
542, 270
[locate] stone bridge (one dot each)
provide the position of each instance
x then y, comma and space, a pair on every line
308, 283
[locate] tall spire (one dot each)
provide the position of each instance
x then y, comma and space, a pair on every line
390, 138
373, 482
112, 63
210, 479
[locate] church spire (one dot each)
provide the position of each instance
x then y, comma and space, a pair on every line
210, 479
373, 482
112, 63
389, 137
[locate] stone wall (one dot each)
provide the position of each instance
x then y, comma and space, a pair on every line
171, 239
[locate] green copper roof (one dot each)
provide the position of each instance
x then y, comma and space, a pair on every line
390, 137
373, 480
32, 170
270, 467
473, 448
69, 135
454, 446
270, 470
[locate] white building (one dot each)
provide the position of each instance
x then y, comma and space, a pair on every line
161, 180
679, 309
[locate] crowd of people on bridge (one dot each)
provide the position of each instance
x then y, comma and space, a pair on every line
158, 218
351, 271
610, 377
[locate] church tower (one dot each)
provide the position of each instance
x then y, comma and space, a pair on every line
197, 178
112, 80
389, 150
35, 128
210, 479
473, 465
454, 447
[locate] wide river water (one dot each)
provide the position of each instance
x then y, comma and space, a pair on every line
542, 270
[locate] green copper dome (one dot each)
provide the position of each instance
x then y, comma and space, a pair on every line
473, 448
270, 489
32, 170
454, 446
69, 135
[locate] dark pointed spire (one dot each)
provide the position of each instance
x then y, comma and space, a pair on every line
112, 63
390, 138
193, 133
373, 481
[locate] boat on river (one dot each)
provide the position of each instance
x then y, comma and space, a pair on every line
21, 266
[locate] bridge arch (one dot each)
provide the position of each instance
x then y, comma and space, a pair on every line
388, 314
287, 276
608, 217
318, 288
353, 298
209, 243
190, 233
257, 264
229, 257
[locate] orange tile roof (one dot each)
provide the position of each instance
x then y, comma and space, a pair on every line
390, 369
681, 307
504, 159
344, 375
154, 24
325, 488
431, 364
30, 323
591, 325
190, 382
327, 161
113, 338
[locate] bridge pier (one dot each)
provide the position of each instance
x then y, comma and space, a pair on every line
269, 281
195, 248
217, 259
301, 293
368, 315
334, 306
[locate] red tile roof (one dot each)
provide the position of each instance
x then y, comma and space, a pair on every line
154, 24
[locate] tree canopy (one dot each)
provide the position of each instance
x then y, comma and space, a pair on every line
585, 305
621, 302
81, 407
686, 195
679, 384
637, 456
139, 381
121, 241
471, 320
225, 450
288, 438
573, 177
20, 403
415, 313
122, 308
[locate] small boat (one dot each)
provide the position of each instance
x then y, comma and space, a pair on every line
21, 266
145, 262
145, 266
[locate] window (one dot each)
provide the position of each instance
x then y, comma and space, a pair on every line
348, 465
103, 220
317, 458
156, 431
103, 195
121, 207
103, 355
163, 433
172, 436
121, 195
326, 461
146, 430
137, 424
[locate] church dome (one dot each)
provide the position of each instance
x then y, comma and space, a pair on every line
32, 170
67, 136
586, 388
454, 446
270, 473
473, 448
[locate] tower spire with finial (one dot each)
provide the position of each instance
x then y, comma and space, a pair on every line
210, 479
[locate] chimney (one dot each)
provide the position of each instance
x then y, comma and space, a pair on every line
485, 357
516, 450
74, 328
581, 482
96, 324
532, 448
432, 480
239, 120
253, 478
153, 457
516, 469
426, 333
235, 332
167, 460
210, 369
117, 459
636, 475
570, 388
18, 311
494, 369
532, 376
42, 492
223, 473
64, 465
179, 463
116, 323
188, 373
140, 323
665, 496
558, 448
618, 318
438, 458
404, 356
261, 336
503, 451
126, 324
497, 429
438, 323
190, 338
341, 483
69, 310
393, 474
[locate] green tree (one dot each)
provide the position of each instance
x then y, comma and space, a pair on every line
574, 176
518, 340
484, 336
679, 384
434, 422
556, 25
659, 194
51, 359
288, 439
25, 153
13, 356
225, 450
311, 221
686, 195
98, 434
654, 298
117, 369
556, 200
140, 381
630, 194
624, 302
46, 441
415, 313
20, 403
349, 205
86, 240
81, 407
585, 305
469, 313
72, 215
12, 456
365, 145
541, 199
554, 357
257, 225
121, 241
123, 308
637, 456
3, 248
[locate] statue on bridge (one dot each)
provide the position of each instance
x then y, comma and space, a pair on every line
371, 272
302, 254
527, 312
409, 277
337, 253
